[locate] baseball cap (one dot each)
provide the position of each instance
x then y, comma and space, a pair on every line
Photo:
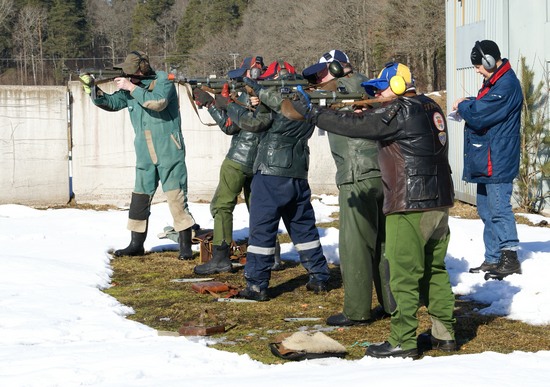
275, 68
131, 64
248, 63
390, 70
333, 55
310, 73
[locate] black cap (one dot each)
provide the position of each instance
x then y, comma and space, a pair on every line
486, 47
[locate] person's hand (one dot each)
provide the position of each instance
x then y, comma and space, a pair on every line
202, 98
457, 102
303, 103
87, 83
223, 99
124, 84
254, 101
253, 85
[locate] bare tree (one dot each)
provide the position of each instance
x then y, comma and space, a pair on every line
111, 26
6, 9
27, 38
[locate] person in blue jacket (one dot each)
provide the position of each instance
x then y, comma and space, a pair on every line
492, 153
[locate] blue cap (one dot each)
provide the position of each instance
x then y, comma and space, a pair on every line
383, 81
248, 63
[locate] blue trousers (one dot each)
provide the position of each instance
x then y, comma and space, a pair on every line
273, 198
495, 210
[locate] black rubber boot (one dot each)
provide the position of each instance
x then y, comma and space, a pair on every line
509, 264
220, 262
185, 244
135, 248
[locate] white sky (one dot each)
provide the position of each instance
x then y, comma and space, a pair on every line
57, 328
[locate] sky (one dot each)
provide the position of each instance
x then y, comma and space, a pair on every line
57, 327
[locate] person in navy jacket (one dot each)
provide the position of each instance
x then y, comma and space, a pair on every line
492, 153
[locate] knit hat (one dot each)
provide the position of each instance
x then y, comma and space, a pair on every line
383, 81
488, 47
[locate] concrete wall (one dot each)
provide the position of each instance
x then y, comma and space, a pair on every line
34, 145
39, 163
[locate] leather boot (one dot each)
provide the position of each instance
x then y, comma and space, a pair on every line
135, 248
220, 262
185, 244
509, 264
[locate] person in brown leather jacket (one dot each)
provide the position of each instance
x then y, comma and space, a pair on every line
411, 131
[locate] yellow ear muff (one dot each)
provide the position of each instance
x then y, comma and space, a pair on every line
398, 84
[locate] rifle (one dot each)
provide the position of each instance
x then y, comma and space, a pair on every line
214, 85
100, 76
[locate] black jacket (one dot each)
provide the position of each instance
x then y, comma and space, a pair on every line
413, 147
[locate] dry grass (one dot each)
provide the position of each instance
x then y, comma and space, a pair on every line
144, 284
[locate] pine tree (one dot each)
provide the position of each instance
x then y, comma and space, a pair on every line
534, 169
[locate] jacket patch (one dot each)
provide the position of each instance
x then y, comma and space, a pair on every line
442, 138
439, 121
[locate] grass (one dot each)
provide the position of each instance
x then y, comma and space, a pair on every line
144, 284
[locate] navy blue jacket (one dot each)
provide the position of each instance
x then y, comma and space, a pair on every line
492, 130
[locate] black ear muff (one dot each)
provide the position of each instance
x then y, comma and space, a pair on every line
282, 69
255, 72
487, 61
336, 69
398, 85
143, 65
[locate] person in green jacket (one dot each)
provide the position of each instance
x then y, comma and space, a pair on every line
152, 103
360, 196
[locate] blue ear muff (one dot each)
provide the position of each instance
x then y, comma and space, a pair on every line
487, 61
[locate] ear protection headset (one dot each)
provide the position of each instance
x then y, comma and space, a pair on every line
256, 69
398, 85
487, 61
143, 65
282, 69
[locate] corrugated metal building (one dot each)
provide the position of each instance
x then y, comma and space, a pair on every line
520, 28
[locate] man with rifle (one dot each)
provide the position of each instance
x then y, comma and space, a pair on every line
236, 169
280, 190
413, 144
362, 222
153, 106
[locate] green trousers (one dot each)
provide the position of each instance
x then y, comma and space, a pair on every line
361, 240
416, 245
234, 178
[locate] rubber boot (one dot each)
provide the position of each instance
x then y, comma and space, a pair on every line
135, 248
277, 265
185, 244
220, 262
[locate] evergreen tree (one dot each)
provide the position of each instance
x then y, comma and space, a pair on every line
146, 30
66, 34
534, 169
204, 19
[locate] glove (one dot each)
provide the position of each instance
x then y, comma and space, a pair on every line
253, 85
87, 83
303, 104
202, 98
222, 99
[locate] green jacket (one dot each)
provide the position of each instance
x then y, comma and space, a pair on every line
356, 159
244, 144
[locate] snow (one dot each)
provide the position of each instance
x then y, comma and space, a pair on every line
57, 327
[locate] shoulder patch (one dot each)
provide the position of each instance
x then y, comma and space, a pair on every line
442, 138
439, 121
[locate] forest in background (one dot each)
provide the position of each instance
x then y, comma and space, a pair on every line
42, 41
